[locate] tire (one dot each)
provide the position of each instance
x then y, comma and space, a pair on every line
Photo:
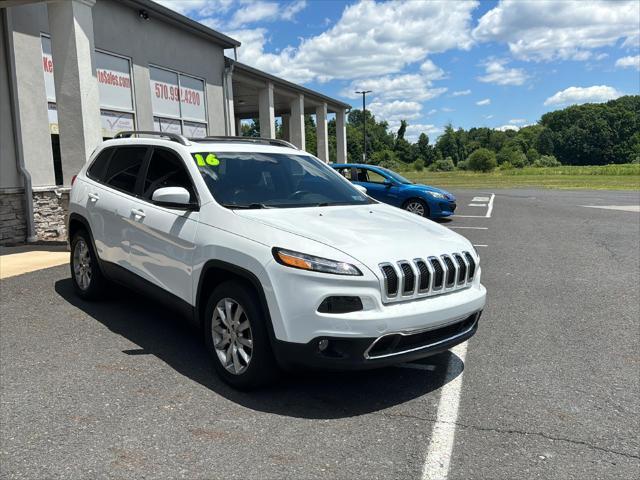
417, 206
88, 281
242, 357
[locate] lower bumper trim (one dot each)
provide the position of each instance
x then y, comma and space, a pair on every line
367, 353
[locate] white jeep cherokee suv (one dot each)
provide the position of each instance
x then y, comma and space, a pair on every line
273, 255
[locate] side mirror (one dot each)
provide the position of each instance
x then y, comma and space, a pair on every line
173, 197
388, 182
361, 189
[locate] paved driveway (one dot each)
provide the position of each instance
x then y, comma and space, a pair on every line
548, 388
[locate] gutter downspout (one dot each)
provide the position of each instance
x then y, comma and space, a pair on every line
17, 129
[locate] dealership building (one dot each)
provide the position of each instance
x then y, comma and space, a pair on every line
75, 72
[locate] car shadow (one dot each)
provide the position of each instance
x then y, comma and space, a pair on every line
305, 394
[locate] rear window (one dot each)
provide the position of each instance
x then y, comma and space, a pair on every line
123, 168
97, 169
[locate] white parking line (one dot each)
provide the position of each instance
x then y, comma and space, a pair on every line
476, 245
480, 199
489, 210
436, 465
470, 228
477, 204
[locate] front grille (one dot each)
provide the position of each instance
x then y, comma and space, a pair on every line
391, 280
425, 276
405, 280
438, 273
409, 279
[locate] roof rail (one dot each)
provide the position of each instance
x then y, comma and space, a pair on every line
262, 141
171, 136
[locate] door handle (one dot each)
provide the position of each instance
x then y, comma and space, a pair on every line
94, 197
138, 213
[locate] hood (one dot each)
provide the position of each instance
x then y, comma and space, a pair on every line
371, 234
428, 188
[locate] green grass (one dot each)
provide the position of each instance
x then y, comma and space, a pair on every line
605, 177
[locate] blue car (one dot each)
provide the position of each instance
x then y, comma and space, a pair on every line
389, 187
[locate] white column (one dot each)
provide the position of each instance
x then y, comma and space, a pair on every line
296, 126
231, 123
322, 132
71, 27
267, 112
286, 135
341, 137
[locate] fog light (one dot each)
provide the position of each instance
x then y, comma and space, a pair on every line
340, 305
323, 344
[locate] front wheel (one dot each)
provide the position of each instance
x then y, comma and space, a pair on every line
237, 338
417, 206
87, 278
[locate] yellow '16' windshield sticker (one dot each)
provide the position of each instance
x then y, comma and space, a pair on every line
210, 160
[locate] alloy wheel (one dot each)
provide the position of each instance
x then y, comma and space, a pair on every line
82, 270
232, 336
415, 207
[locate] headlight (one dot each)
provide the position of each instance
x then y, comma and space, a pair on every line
315, 264
438, 195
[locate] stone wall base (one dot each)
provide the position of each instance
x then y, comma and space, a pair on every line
50, 207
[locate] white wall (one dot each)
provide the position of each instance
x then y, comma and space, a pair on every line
9, 177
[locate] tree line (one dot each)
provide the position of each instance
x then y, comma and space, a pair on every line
590, 134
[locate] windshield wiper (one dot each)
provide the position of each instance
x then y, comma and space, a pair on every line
251, 206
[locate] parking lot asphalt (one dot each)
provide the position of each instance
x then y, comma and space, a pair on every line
549, 386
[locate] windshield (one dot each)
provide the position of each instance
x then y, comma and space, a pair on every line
397, 177
274, 180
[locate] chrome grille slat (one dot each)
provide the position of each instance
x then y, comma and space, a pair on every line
404, 280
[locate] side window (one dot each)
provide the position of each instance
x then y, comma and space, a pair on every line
97, 169
166, 169
123, 168
346, 173
374, 177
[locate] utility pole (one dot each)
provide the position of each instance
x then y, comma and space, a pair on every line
364, 124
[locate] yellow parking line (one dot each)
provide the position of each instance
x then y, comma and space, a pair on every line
19, 263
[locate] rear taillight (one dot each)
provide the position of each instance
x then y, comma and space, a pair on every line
73, 179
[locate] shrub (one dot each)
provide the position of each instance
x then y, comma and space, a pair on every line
547, 161
518, 160
445, 165
506, 166
418, 165
512, 155
532, 155
463, 165
482, 160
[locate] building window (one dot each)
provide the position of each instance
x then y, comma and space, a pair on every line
52, 109
178, 102
115, 88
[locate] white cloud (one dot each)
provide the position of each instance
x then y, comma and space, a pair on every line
414, 131
560, 29
431, 71
489, 117
400, 87
504, 128
292, 9
370, 39
432, 111
458, 93
629, 62
447, 109
482, 103
395, 111
496, 72
578, 95
517, 121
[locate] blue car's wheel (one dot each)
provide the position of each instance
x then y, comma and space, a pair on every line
417, 206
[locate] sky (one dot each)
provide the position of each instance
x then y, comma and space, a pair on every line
499, 64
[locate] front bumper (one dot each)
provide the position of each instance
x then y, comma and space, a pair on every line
443, 208
375, 352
